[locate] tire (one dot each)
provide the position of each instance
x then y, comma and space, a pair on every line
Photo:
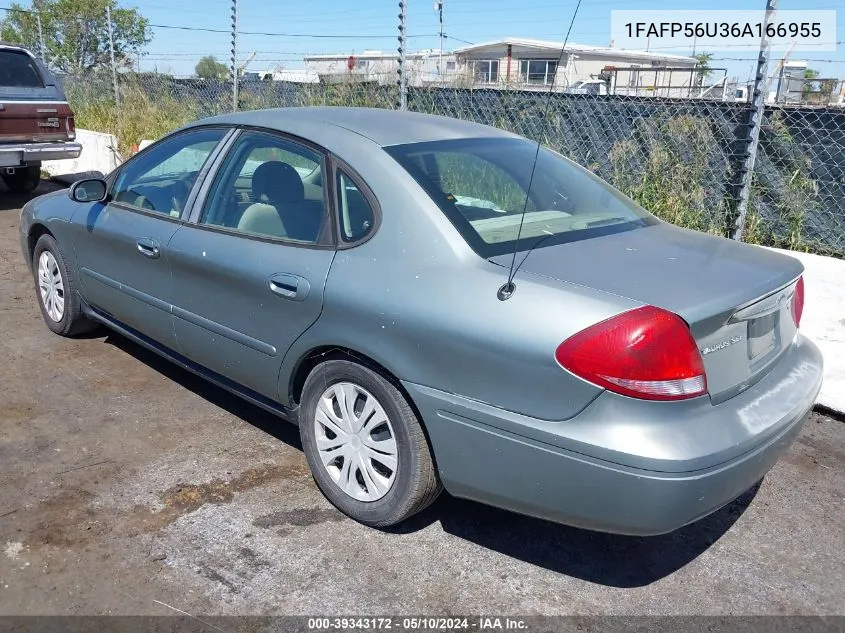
414, 484
67, 319
24, 180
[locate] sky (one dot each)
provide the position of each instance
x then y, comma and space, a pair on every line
350, 27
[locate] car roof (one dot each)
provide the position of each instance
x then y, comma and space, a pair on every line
383, 127
7, 46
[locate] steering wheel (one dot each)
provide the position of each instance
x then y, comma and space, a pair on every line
179, 192
141, 200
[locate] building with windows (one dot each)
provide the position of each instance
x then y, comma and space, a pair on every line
423, 67
526, 64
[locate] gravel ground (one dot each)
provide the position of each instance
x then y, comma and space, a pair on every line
127, 485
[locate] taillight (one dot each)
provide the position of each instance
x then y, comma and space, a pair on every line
70, 126
645, 353
798, 301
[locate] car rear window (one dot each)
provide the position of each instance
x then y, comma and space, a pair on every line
18, 70
484, 184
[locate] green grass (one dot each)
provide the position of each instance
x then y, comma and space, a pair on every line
139, 117
664, 166
467, 175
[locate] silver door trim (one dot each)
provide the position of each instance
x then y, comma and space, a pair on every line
129, 290
226, 332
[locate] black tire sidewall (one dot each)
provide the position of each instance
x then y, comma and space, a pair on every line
47, 243
392, 506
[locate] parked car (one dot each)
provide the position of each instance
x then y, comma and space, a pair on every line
588, 87
348, 269
36, 122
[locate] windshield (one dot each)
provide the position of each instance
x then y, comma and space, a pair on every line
482, 184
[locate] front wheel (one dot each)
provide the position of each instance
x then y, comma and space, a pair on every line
365, 446
56, 290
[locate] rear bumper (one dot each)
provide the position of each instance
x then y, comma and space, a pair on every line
19, 154
668, 477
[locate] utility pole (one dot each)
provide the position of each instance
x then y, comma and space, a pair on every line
781, 68
41, 38
234, 68
755, 121
439, 7
403, 76
111, 55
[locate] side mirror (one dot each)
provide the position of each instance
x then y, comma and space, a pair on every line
89, 190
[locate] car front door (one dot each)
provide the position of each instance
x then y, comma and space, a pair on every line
250, 268
121, 244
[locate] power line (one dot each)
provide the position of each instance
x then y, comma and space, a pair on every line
310, 35
457, 39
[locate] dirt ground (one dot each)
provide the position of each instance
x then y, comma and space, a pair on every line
128, 486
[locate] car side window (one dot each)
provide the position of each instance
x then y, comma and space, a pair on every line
356, 213
161, 178
271, 187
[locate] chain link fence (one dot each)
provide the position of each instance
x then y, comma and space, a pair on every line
681, 158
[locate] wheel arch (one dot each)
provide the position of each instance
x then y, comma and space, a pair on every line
36, 230
322, 353
317, 355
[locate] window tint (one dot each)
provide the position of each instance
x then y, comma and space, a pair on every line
356, 214
19, 70
161, 178
477, 182
269, 186
483, 185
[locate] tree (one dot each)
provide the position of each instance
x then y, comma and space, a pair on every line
209, 68
703, 67
76, 32
810, 85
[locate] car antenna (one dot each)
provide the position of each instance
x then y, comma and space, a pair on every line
506, 291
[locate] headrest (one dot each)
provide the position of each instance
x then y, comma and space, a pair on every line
278, 182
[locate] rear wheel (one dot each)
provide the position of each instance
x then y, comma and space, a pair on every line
365, 446
24, 179
56, 289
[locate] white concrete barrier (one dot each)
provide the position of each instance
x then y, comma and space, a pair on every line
99, 153
823, 320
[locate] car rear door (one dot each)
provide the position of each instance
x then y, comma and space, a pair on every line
250, 268
122, 244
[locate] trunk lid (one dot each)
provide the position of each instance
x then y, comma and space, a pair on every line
735, 298
32, 107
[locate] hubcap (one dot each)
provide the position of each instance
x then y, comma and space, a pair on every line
355, 441
51, 286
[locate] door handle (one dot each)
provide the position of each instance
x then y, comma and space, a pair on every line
289, 286
149, 247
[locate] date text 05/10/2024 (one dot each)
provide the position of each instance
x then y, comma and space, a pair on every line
481, 623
